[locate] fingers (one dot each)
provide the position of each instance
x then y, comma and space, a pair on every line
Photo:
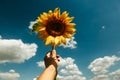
53, 55
58, 57
48, 54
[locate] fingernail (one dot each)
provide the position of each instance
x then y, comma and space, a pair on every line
54, 51
57, 56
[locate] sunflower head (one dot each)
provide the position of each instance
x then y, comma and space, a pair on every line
54, 27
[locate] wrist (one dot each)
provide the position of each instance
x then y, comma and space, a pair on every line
52, 67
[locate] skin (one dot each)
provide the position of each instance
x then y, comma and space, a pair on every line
51, 64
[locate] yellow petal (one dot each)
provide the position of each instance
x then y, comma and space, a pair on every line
67, 35
40, 29
71, 30
45, 14
69, 19
49, 40
63, 40
43, 17
57, 41
70, 25
42, 21
57, 12
39, 20
64, 15
50, 13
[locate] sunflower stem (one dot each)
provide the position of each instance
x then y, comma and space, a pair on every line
53, 47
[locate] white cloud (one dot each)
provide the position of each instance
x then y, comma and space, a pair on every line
41, 64
115, 75
34, 78
11, 75
100, 77
68, 66
12, 50
12, 71
67, 70
70, 43
100, 67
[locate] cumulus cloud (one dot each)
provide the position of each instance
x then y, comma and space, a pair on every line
100, 77
34, 78
11, 75
100, 67
12, 50
115, 75
41, 64
68, 70
70, 43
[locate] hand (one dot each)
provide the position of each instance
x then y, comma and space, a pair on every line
51, 63
51, 59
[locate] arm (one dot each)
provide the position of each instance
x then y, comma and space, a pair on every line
51, 63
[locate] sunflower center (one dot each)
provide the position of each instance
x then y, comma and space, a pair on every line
55, 28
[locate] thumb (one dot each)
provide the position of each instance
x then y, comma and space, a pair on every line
54, 53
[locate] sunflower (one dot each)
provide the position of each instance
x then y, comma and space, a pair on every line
54, 27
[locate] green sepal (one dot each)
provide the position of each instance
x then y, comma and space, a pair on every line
35, 26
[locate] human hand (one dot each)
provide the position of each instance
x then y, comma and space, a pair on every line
51, 59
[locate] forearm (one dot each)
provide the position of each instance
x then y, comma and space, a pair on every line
48, 74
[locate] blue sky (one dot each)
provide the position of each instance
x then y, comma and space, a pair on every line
97, 52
